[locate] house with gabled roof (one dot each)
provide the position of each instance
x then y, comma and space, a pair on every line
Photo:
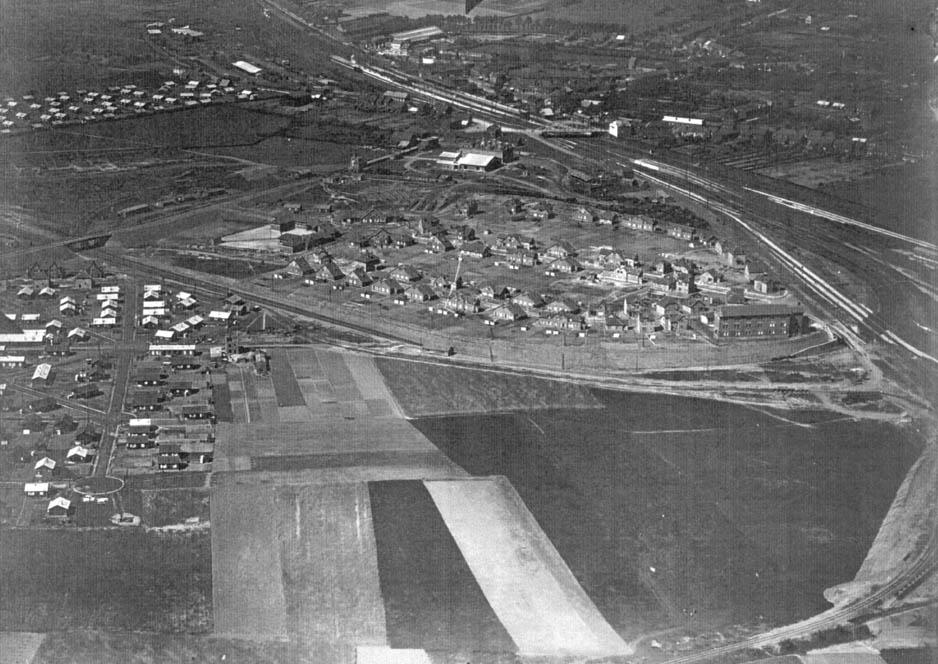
358, 278
562, 305
462, 303
79, 454
564, 265
329, 271
420, 293
60, 508
405, 273
387, 287
36, 489
584, 215
562, 322
299, 267
561, 249
475, 250
494, 291
44, 467
439, 244
528, 300
507, 312
522, 258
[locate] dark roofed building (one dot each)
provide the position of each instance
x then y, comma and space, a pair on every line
759, 321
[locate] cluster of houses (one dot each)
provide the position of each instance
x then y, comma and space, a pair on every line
80, 106
160, 307
110, 299
174, 412
53, 470
669, 284
177, 445
28, 335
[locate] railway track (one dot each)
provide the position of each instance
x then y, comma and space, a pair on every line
925, 564
223, 290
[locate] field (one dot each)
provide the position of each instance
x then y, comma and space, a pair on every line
424, 389
248, 588
531, 589
285, 385
358, 423
674, 512
329, 565
95, 647
105, 579
162, 507
407, 564
432, 599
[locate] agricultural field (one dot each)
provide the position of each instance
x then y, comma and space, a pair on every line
425, 389
676, 512
99, 647
394, 563
432, 599
358, 423
67, 580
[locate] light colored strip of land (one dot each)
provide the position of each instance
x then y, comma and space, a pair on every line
338, 475
370, 382
331, 561
527, 583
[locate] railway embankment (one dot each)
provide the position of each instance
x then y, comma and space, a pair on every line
906, 534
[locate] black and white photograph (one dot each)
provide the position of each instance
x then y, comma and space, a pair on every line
468, 331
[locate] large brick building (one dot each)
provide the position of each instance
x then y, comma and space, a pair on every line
758, 321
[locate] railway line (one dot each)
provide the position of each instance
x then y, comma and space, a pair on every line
223, 290
925, 564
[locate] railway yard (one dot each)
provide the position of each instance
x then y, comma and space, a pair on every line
367, 336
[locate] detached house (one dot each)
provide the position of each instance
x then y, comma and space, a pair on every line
462, 303
60, 508
508, 312
387, 287
561, 249
564, 266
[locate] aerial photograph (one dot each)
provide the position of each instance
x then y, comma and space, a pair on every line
468, 331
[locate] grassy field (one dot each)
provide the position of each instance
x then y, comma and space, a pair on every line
162, 507
428, 389
105, 579
740, 513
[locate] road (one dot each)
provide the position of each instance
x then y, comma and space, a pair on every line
122, 364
